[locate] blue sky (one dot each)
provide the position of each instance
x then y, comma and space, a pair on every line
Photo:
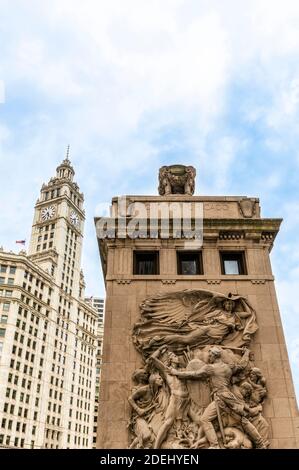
133, 84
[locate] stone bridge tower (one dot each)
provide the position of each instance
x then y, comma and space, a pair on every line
194, 351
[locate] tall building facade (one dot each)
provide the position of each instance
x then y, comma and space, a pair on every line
48, 335
194, 353
98, 304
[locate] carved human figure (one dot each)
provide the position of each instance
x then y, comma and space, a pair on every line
219, 374
236, 439
190, 180
193, 317
179, 402
164, 183
256, 416
214, 328
142, 401
258, 383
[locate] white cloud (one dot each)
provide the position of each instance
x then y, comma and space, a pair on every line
111, 77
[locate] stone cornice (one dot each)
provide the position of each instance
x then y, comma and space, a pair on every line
28, 262
171, 279
216, 229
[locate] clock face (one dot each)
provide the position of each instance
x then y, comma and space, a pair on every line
74, 219
48, 213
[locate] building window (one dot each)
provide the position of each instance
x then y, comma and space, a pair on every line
146, 262
3, 268
6, 307
12, 270
233, 263
2, 332
189, 262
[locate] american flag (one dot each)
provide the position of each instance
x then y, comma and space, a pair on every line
21, 242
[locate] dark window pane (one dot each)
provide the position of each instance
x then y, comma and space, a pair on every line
146, 263
189, 267
189, 263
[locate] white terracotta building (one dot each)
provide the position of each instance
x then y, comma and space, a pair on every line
48, 333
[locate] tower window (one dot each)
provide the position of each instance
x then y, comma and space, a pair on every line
233, 263
146, 262
189, 262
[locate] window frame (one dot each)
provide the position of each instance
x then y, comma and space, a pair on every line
156, 255
197, 254
239, 256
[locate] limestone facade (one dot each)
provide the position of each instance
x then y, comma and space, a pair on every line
230, 225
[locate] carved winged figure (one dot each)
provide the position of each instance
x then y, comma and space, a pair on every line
193, 317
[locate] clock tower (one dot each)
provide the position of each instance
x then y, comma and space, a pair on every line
45, 311
57, 230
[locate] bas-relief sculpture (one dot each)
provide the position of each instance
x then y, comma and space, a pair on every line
198, 387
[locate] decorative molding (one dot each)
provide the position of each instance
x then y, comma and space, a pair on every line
267, 236
213, 281
123, 281
168, 281
235, 235
258, 281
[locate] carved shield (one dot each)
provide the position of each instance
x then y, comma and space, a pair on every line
199, 390
247, 207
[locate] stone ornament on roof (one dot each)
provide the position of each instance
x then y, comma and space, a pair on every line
176, 179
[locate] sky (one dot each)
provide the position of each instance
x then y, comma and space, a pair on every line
132, 85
